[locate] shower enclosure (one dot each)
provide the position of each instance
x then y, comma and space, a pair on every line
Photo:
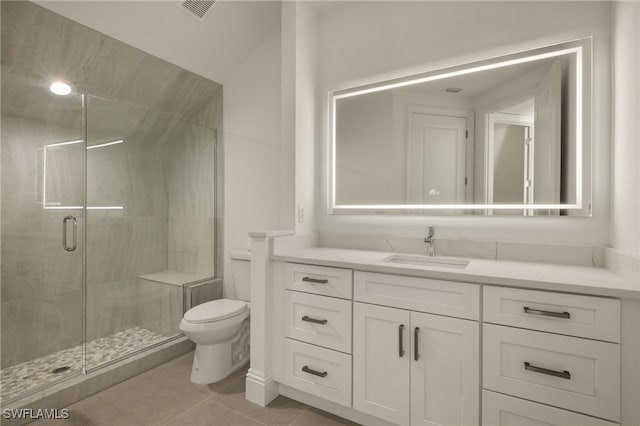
107, 216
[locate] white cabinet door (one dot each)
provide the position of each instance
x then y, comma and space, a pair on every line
445, 371
381, 354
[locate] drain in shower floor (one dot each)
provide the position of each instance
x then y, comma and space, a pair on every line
61, 369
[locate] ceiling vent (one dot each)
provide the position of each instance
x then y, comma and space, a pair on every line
197, 8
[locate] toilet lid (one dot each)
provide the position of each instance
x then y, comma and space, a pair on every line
215, 310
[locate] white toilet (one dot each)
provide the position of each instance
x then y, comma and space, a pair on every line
220, 328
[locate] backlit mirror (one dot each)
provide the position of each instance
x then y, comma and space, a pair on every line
507, 135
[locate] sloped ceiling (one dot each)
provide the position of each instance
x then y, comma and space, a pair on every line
212, 47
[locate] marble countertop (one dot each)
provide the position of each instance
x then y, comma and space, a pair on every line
566, 278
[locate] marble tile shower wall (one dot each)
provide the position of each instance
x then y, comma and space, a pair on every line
190, 181
163, 175
122, 244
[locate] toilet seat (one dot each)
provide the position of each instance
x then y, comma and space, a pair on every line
215, 310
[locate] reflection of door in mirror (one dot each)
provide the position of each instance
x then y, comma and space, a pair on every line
436, 159
510, 165
524, 165
512, 171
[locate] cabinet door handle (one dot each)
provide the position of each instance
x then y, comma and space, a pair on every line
315, 321
400, 344
314, 280
530, 311
416, 353
562, 374
306, 369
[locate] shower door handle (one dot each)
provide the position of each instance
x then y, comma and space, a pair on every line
65, 221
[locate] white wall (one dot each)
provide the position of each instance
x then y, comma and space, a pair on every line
364, 41
238, 44
625, 197
306, 115
253, 153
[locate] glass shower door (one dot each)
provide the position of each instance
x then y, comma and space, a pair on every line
42, 236
129, 153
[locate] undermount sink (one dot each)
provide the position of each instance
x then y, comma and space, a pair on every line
435, 261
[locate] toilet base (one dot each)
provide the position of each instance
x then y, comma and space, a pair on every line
212, 363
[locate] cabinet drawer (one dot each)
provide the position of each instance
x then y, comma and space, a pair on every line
418, 294
321, 320
503, 410
582, 316
335, 282
568, 372
318, 371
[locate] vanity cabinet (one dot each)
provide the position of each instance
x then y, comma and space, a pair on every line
538, 350
414, 367
406, 350
317, 329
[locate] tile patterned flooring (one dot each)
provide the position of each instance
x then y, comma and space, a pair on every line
165, 396
32, 375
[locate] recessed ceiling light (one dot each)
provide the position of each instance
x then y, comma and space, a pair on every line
60, 88
454, 89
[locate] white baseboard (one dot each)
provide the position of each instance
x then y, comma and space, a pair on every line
260, 390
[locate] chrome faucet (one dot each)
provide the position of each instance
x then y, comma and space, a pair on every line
430, 239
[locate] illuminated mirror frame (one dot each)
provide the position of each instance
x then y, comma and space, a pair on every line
582, 48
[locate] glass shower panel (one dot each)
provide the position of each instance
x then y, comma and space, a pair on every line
147, 237
42, 236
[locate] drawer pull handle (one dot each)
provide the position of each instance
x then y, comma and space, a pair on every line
400, 344
416, 354
562, 374
314, 280
528, 310
306, 369
315, 321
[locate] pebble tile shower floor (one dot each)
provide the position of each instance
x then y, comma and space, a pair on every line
22, 378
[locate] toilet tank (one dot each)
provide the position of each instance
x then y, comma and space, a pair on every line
240, 274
